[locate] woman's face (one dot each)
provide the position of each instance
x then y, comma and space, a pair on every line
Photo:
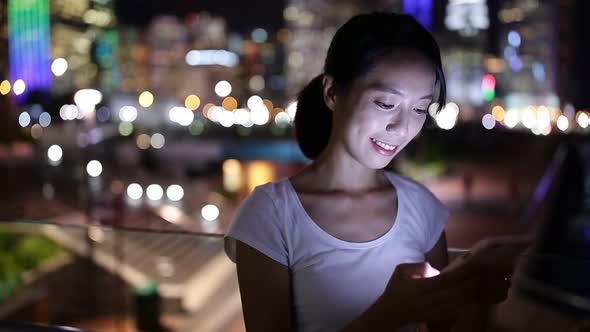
385, 109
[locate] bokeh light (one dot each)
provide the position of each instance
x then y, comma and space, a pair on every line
192, 102
511, 118
36, 131
528, 118
498, 113
447, 117
59, 66
146, 99
44, 119
210, 212
154, 192
24, 119
175, 192
291, 109
488, 121
223, 88
128, 113
143, 141
94, 168
196, 128
514, 38
230, 103
259, 35
282, 118
241, 116
157, 141
125, 128
134, 191
181, 115
19, 87
563, 123
256, 83
226, 118
5, 87
54, 153
582, 119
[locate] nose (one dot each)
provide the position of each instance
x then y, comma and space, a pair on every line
398, 126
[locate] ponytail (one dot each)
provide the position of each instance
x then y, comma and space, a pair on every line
313, 119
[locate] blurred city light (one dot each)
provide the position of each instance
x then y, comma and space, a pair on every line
569, 111
210, 212
295, 59
54, 153
157, 141
59, 66
291, 109
154, 192
582, 119
5, 87
181, 115
488, 121
212, 57
528, 118
192, 102
498, 113
68, 112
514, 38
232, 175
36, 131
196, 128
143, 141
256, 83
543, 117
94, 168
214, 113
146, 99
86, 100
254, 101
223, 88
226, 118
175, 192
488, 87
259, 115
447, 117
282, 118
125, 128
19, 87
128, 113
562, 123
229, 103
241, 116
103, 114
44, 119
259, 35
511, 118
24, 119
134, 191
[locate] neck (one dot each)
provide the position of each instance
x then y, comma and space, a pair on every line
336, 170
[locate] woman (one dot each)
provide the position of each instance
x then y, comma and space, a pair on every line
316, 251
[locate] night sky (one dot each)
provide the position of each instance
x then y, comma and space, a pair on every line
241, 15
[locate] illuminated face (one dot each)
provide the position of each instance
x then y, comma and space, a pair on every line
385, 109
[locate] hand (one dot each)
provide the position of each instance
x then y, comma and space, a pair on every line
493, 261
414, 296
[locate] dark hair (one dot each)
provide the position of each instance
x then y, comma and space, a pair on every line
356, 47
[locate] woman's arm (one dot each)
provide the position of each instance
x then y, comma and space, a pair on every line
265, 289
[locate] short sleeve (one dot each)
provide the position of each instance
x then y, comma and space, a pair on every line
258, 225
437, 219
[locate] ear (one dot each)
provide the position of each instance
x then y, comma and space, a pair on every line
328, 91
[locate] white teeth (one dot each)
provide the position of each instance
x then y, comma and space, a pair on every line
383, 145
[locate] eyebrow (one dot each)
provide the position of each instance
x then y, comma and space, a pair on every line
390, 89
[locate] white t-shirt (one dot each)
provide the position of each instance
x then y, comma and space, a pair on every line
335, 281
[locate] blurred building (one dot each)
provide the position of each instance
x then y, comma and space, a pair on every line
529, 47
82, 34
312, 24
29, 47
463, 37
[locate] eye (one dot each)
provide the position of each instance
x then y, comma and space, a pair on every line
420, 111
384, 105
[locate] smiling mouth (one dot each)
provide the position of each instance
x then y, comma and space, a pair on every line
383, 148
